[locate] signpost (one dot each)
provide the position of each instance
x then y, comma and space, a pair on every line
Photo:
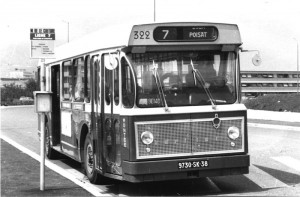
42, 43
42, 47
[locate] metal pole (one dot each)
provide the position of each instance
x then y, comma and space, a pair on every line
68, 29
42, 167
154, 10
68, 32
42, 148
298, 75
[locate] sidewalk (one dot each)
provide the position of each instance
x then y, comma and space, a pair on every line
290, 119
20, 176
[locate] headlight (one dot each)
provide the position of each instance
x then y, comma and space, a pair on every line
147, 137
233, 133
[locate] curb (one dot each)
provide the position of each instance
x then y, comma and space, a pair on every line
15, 106
273, 126
273, 115
82, 182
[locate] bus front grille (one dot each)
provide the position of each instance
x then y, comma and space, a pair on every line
188, 137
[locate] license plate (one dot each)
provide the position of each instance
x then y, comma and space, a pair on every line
193, 164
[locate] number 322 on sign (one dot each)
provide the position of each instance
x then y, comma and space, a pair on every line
141, 35
193, 164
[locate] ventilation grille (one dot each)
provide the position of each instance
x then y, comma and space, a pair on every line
188, 137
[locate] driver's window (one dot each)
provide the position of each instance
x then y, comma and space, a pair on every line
230, 72
127, 84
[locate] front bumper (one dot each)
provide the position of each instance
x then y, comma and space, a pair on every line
168, 169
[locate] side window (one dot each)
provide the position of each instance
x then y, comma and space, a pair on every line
94, 64
111, 72
87, 77
67, 80
116, 85
230, 72
107, 79
127, 84
79, 79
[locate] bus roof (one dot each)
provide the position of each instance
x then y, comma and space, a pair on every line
110, 37
179, 33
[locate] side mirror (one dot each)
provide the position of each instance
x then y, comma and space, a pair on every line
254, 55
111, 62
256, 60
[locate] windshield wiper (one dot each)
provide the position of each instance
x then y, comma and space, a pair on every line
201, 80
159, 86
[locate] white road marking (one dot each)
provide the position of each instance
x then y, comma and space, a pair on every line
288, 161
214, 186
263, 179
62, 169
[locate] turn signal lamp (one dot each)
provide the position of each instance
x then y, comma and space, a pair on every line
42, 101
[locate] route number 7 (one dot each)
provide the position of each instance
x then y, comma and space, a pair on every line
166, 33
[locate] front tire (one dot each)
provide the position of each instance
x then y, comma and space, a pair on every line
89, 161
50, 152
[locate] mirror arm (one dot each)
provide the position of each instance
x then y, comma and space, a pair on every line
256, 60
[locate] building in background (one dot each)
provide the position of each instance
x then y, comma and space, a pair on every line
18, 77
269, 79
21, 74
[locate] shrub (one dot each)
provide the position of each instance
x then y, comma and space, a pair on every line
275, 102
11, 93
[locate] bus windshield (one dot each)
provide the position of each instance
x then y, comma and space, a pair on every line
177, 74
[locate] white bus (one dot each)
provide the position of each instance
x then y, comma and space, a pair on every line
157, 102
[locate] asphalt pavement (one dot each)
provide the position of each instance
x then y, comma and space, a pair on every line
20, 176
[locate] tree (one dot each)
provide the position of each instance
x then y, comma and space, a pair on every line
30, 87
11, 91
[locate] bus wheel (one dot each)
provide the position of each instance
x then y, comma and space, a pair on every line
89, 161
50, 152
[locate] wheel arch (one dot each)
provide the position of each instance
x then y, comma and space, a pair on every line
84, 132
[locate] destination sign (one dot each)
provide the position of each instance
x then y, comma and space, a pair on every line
185, 34
42, 34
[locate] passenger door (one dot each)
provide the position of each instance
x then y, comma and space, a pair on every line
55, 115
111, 111
75, 105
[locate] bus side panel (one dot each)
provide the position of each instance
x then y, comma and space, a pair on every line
67, 134
124, 127
77, 123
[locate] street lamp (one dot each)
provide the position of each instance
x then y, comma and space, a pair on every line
68, 28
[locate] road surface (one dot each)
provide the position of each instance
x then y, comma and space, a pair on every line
274, 170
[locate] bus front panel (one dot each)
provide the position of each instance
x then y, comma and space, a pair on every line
186, 146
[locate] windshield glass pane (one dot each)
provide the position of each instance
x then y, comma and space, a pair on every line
177, 81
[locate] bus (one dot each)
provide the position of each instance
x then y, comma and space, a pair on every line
150, 102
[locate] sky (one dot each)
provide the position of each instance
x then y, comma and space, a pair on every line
270, 26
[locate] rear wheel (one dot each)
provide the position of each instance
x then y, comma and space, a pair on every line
89, 162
